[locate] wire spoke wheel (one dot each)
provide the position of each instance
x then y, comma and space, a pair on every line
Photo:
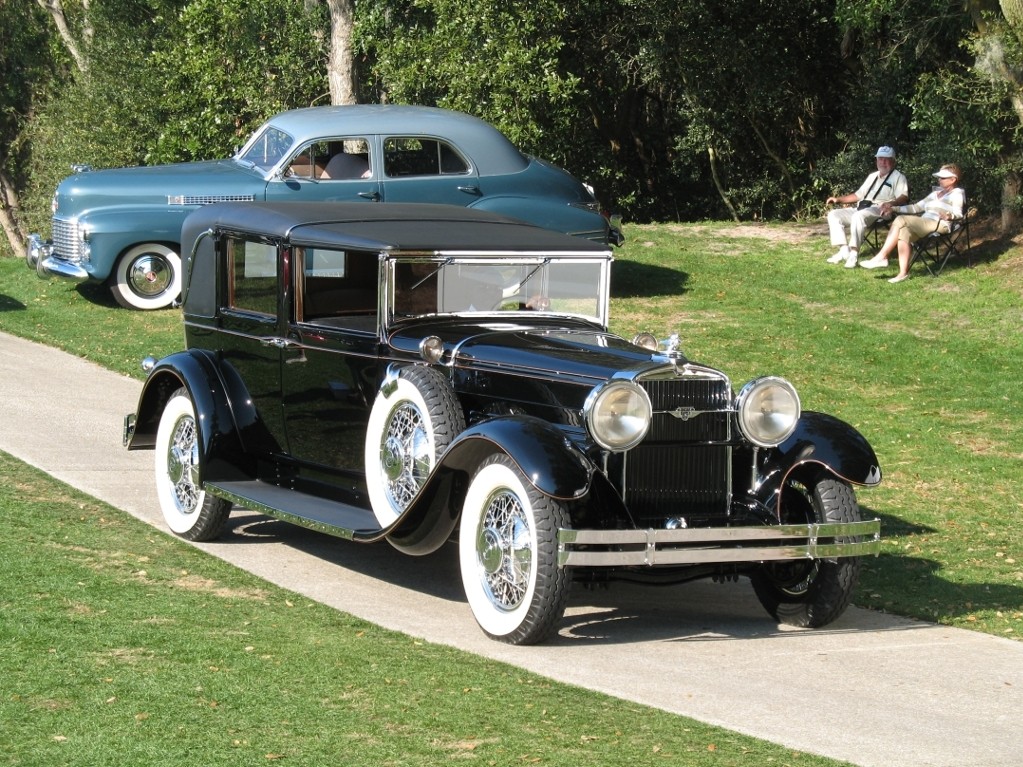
508, 554
187, 509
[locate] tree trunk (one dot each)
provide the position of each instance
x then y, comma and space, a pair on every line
1010, 196
56, 11
713, 155
341, 60
9, 220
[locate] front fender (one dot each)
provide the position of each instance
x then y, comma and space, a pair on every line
829, 442
111, 232
221, 454
542, 451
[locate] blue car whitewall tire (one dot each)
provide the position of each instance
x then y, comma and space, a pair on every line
147, 276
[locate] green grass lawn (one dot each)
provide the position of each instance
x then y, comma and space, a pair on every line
104, 661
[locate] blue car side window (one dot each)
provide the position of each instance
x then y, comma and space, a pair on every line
411, 156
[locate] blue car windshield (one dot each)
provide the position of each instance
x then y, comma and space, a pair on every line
266, 148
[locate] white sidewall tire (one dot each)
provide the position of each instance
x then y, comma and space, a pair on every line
179, 520
129, 298
494, 620
199, 517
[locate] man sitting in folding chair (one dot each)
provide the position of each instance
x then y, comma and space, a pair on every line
935, 213
849, 226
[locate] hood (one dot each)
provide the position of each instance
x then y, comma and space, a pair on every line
563, 351
188, 183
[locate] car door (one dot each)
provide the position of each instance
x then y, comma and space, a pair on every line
427, 169
330, 370
331, 169
251, 339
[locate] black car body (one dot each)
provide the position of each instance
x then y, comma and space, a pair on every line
414, 373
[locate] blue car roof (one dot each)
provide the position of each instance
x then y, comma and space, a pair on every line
489, 149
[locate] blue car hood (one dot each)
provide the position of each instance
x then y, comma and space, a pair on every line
191, 183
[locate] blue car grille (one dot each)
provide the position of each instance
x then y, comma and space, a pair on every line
67, 239
683, 467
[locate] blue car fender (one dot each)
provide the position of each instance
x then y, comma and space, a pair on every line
548, 459
825, 441
113, 232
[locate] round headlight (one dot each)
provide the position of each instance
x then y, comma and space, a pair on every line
646, 341
768, 411
618, 415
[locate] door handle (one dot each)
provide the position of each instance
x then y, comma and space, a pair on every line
278, 343
374, 196
473, 189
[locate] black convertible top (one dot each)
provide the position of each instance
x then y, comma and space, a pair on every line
384, 227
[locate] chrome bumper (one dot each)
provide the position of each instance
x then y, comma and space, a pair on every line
653, 548
39, 256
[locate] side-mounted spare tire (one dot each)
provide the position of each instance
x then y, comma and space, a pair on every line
410, 426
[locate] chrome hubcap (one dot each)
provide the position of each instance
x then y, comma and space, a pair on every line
405, 455
150, 275
504, 550
183, 464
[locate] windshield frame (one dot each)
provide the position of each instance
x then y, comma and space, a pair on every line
267, 131
540, 273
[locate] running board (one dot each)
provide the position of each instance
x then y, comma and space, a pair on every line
331, 517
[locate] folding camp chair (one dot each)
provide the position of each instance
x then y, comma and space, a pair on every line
875, 234
935, 250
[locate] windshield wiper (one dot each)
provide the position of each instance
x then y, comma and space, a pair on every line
440, 266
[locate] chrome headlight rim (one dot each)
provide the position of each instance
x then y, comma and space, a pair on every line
750, 404
626, 431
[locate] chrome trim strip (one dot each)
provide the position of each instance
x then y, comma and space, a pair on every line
652, 548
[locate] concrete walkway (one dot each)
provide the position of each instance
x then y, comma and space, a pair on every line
870, 689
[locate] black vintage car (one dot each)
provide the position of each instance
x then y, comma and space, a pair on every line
418, 373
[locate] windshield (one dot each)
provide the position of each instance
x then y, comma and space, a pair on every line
575, 286
266, 148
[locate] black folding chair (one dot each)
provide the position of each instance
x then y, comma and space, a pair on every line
875, 234
935, 250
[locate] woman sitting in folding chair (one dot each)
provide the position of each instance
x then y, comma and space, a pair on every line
934, 213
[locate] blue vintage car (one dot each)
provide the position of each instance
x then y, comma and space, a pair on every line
123, 225
424, 373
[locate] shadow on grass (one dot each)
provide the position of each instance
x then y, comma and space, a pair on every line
97, 293
8, 304
631, 279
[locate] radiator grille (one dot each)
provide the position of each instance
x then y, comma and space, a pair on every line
67, 240
683, 467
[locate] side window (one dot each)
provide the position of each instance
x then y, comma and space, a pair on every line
422, 157
338, 288
332, 159
252, 276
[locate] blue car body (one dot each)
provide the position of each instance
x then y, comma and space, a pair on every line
123, 225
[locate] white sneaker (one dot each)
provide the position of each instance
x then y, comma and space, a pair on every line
838, 258
850, 263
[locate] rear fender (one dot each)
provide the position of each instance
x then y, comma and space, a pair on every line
221, 454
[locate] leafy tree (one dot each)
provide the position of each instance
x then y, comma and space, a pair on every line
26, 66
234, 64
